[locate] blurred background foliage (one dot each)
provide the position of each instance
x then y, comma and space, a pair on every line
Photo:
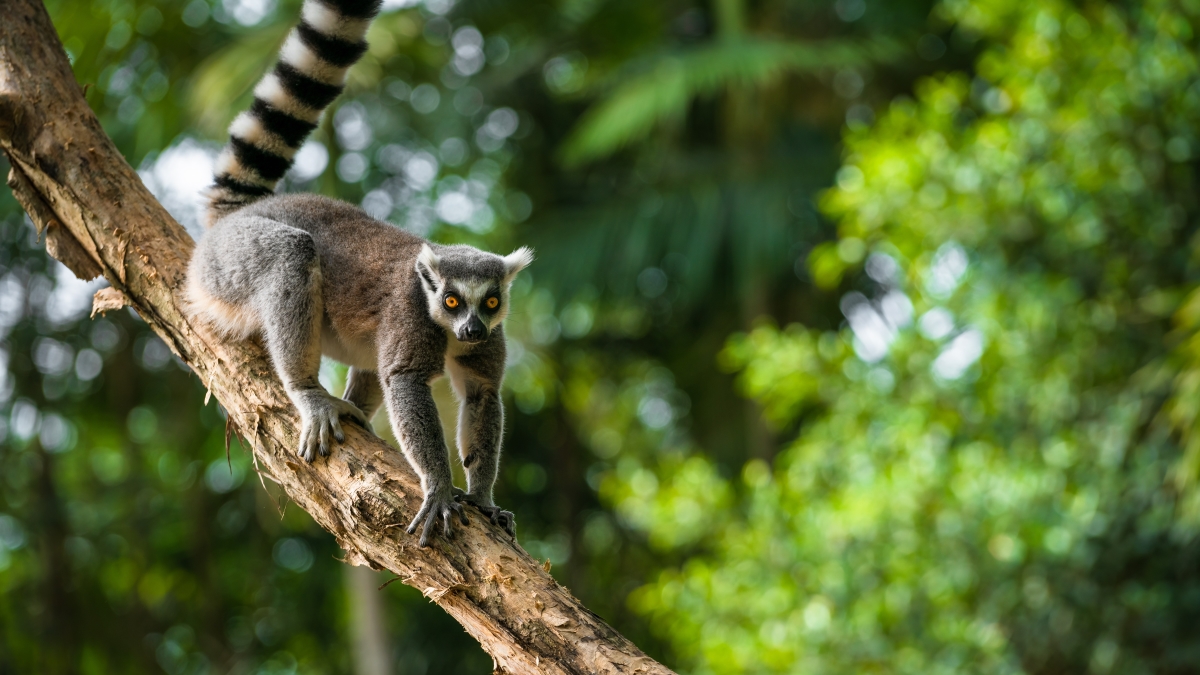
864, 337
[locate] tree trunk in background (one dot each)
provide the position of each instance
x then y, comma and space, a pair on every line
368, 634
742, 127
58, 617
100, 218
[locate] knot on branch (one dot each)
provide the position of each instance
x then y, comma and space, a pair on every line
376, 509
13, 122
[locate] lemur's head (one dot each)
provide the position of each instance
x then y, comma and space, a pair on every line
467, 289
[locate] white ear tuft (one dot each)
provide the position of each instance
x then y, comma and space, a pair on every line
516, 261
427, 266
428, 258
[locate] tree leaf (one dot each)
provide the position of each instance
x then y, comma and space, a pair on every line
668, 84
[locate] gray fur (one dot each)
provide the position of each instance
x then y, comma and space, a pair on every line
364, 391
318, 276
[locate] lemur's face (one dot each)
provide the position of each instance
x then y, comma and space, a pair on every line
467, 289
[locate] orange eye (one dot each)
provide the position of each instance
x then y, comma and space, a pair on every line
493, 302
451, 301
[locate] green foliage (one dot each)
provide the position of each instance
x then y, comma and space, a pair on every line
978, 456
661, 90
136, 58
981, 478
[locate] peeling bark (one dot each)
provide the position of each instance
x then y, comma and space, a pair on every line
106, 300
100, 220
60, 244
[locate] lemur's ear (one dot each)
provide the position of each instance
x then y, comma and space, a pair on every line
427, 267
516, 261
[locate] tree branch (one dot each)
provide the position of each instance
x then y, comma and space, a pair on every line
100, 219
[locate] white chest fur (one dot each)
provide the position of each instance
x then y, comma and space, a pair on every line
454, 349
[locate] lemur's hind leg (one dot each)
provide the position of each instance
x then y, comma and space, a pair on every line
363, 390
273, 270
480, 428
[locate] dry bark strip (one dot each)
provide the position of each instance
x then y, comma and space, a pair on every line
99, 219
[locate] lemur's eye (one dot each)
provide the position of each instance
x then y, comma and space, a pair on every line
451, 301
492, 302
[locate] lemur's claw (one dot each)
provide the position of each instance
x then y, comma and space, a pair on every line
431, 511
497, 515
320, 425
509, 522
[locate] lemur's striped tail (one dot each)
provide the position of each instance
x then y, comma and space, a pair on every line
288, 101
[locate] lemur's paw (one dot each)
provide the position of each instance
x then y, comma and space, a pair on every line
319, 413
360, 417
352, 411
497, 515
436, 507
507, 520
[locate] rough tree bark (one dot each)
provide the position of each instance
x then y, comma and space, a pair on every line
99, 219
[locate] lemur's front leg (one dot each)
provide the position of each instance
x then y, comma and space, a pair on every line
414, 417
480, 428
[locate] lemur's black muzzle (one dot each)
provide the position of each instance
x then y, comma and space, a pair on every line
473, 330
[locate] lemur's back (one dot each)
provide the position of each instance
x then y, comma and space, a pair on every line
367, 266
343, 233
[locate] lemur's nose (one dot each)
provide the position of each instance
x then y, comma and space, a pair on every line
474, 330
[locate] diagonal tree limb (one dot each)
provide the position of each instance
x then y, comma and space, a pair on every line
74, 182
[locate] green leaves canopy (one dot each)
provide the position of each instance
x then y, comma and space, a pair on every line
661, 88
980, 481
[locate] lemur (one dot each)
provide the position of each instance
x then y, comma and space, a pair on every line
315, 276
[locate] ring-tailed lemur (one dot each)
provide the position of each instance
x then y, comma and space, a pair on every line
317, 276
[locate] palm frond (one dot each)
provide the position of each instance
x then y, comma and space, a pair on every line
664, 88
708, 230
